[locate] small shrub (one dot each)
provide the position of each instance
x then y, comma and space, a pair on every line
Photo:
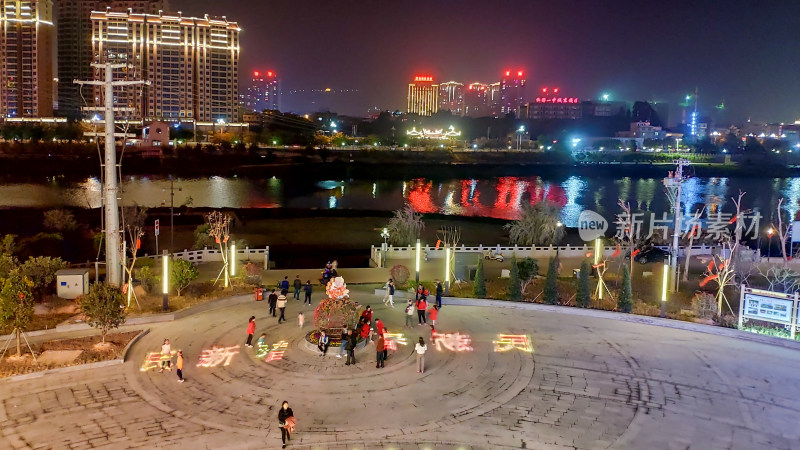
479, 288
582, 295
514, 287
704, 305
148, 280
625, 299
551, 283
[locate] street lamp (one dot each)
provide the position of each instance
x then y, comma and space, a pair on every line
677, 144
770, 232
384, 247
664, 284
520, 132
165, 281
447, 271
605, 97
419, 250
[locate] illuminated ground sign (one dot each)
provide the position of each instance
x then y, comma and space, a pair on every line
153, 360
506, 342
216, 356
455, 342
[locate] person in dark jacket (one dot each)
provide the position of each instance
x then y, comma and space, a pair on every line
352, 340
286, 428
307, 288
324, 342
273, 302
285, 284
439, 293
297, 284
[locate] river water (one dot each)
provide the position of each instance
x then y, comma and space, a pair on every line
499, 197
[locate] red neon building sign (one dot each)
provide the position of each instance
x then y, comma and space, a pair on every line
423, 78
557, 100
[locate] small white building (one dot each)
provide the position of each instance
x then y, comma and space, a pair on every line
72, 283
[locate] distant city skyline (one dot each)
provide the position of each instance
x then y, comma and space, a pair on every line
742, 53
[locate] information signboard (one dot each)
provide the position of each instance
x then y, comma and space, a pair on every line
768, 308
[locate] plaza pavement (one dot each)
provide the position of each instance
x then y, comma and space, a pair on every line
590, 383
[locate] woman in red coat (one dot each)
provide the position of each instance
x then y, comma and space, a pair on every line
251, 330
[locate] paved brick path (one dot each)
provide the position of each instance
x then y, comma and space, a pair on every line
591, 383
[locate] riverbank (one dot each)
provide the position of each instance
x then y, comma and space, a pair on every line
387, 163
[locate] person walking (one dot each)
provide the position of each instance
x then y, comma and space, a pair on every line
421, 348
422, 306
433, 314
273, 301
343, 343
439, 293
166, 356
307, 288
179, 366
282, 305
409, 314
379, 326
251, 330
389, 298
324, 342
285, 284
379, 354
297, 286
352, 339
286, 422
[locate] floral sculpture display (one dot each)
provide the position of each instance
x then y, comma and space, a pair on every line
336, 310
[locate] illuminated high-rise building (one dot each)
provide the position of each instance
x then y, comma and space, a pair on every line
74, 31
476, 103
494, 100
423, 96
26, 58
264, 92
451, 97
512, 91
192, 64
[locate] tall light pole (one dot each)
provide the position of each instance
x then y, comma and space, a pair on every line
673, 186
677, 144
664, 284
385, 246
520, 132
419, 250
113, 244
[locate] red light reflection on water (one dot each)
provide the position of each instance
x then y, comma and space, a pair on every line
510, 193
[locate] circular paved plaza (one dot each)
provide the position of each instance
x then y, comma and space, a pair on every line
589, 383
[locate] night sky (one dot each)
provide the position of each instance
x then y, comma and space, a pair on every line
747, 53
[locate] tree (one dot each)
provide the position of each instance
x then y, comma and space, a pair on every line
625, 299
182, 273
537, 225
16, 303
528, 271
104, 307
42, 272
8, 245
583, 294
550, 283
479, 288
59, 220
7, 264
134, 218
514, 287
201, 238
405, 226
219, 228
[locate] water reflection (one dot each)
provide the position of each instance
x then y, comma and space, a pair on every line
498, 197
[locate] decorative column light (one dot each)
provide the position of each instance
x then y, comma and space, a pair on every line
233, 259
419, 250
664, 284
165, 281
447, 271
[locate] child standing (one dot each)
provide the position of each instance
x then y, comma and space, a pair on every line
433, 313
301, 319
420, 348
179, 366
166, 356
251, 330
409, 314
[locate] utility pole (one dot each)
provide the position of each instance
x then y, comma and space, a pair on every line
673, 185
113, 244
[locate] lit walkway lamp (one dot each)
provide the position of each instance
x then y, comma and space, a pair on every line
419, 250
664, 284
165, 281
384, 247
233, 259
447, 271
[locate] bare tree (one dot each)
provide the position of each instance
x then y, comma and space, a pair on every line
627, 237
134, 218
722, 268
450, 237
781, 279
405, 226
783, 231
219, 228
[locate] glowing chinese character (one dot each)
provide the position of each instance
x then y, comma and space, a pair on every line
153, 360
454, 342
396, 337
507, 342
215, 356
262, 350
276, 353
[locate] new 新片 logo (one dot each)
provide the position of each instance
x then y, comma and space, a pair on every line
591, 225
